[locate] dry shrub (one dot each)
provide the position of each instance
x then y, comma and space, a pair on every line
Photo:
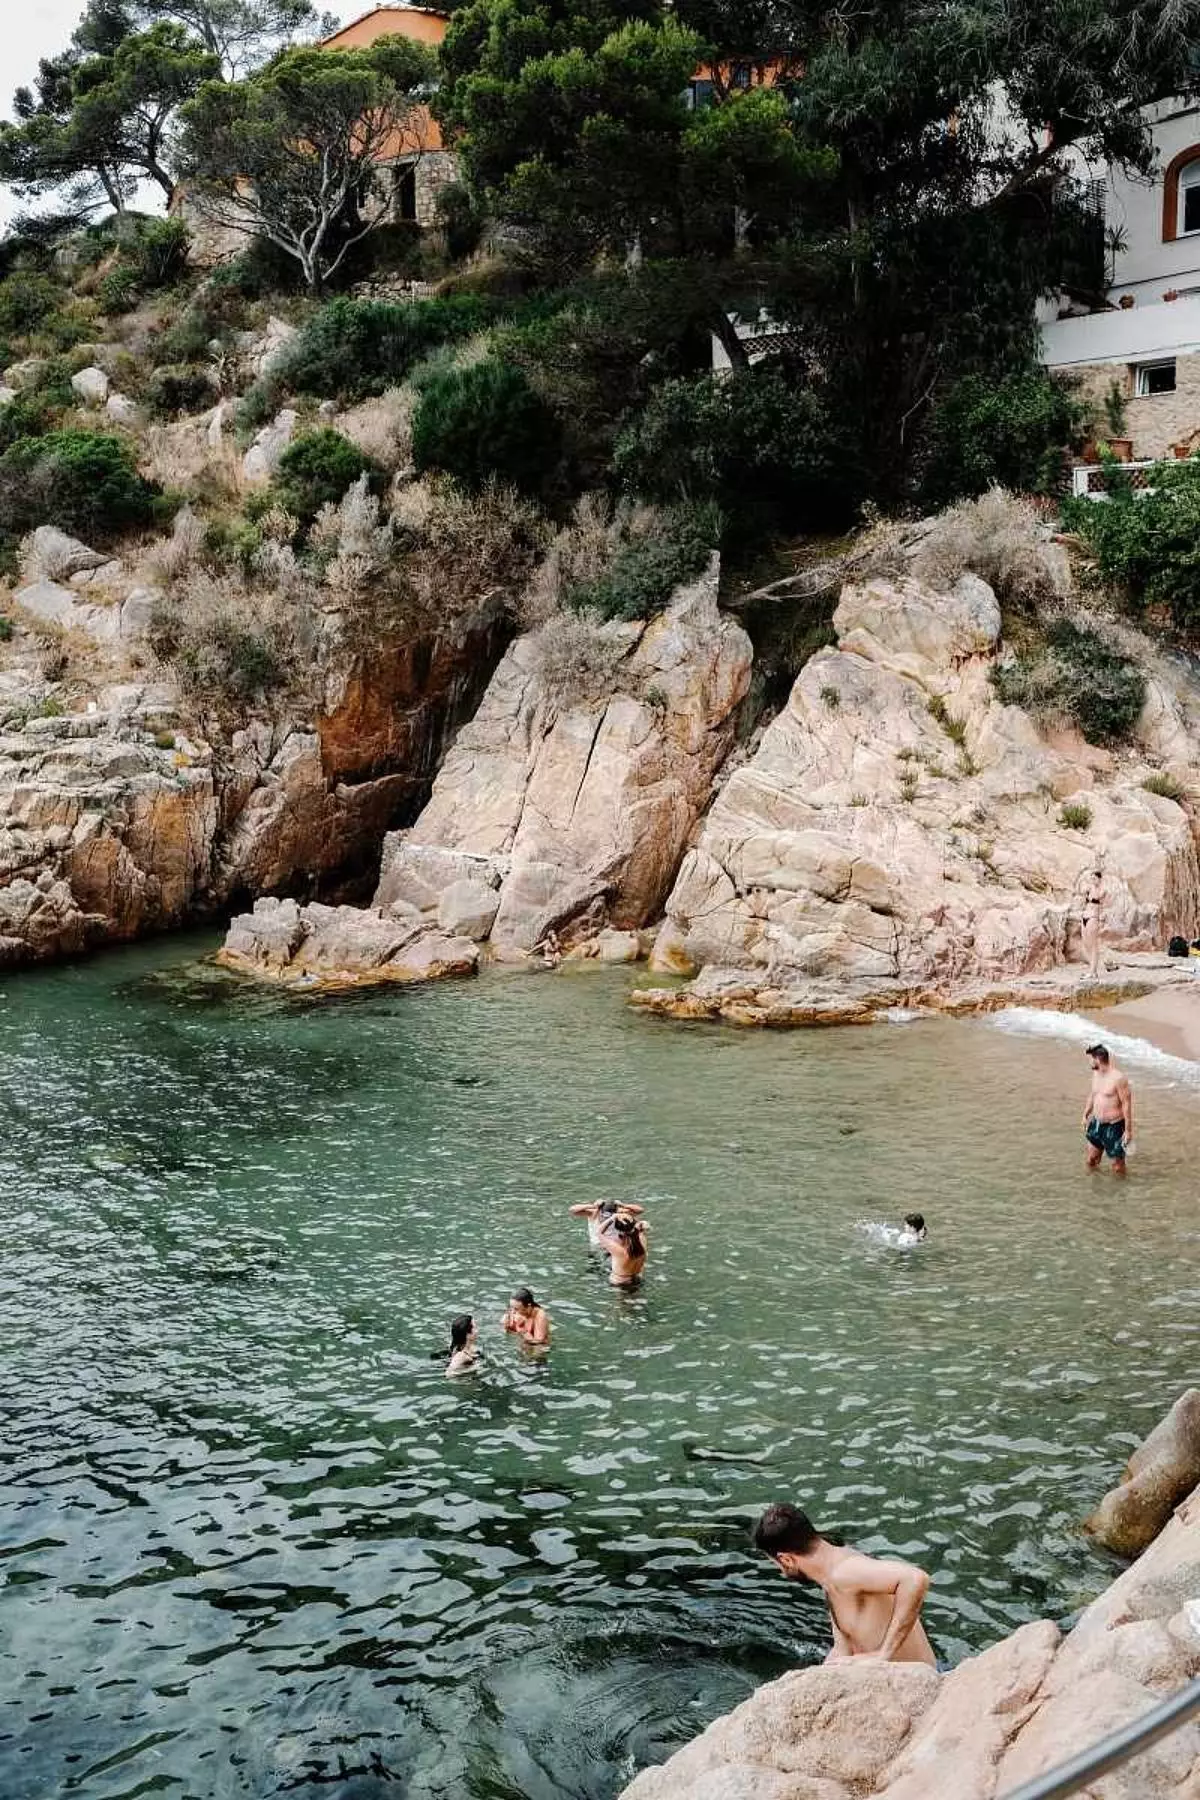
576, 658
999, 537
353, 541
381, 427
466, 553
171, 558
231, 646
582, 552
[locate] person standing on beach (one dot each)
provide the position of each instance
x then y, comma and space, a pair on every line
1108, 1115
1093, 918
874, 1602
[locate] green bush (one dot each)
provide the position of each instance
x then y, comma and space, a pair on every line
86, 482
182, 388
766, 452
1075, 815
352, 348
1147, 545
27, 300
1166, 787
1011, 433
486, 423
220, 661
6, 630
1076, 674
159, 253
29, 415
316, 469
647, 569
117, 291
460, 219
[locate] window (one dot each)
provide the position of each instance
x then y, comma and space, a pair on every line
1154, 378
740, 75
1189, 198
1181, 195
699, 95
405, 203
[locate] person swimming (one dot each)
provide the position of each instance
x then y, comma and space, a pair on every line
625, 1241
914, 1231
464, 1355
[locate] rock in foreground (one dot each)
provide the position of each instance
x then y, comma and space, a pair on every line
334, 947
899, 1732
1162, 1469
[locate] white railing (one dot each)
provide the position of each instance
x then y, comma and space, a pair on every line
1089, 481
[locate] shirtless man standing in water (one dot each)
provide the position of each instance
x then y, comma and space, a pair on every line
1108, 1115
874, 1603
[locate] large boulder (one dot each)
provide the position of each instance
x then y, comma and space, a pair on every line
581, 809
898, 822
49, 554
1163, 1468
335, 947
91, 386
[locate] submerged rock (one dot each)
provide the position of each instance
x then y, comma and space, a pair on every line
1163, 1468
340, 946
900, 1732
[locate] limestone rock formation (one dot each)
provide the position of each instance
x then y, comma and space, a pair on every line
341, 946
842, 1731
1162, 1469
106, 825
263, 456
580, 811
91, 386
898, 822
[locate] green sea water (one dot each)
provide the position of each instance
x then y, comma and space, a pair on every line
252, 1542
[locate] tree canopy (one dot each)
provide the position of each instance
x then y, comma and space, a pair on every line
242, 34
290, 153
94, 124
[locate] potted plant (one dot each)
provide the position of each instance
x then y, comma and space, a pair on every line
1120, 446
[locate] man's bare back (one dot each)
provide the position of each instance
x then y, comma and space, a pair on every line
874, 1602
862, 1593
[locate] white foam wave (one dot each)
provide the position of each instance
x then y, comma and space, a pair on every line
1033, 1021
901, 1015
894, 1236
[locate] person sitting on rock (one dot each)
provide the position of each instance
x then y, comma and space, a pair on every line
874, 1602
598, 1213
914, 1231
526, 1318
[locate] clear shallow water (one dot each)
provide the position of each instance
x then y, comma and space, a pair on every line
253, 1543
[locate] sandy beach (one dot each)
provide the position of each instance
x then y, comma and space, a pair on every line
1169, 1019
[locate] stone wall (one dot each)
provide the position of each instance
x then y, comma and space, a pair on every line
1158, 421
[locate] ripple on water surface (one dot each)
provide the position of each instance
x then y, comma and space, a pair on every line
255, 1544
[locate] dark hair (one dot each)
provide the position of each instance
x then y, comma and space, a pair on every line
607, 1206
631, 1231
915, 1221
524, 1297
460, 1331
1097, 1050
785, 1528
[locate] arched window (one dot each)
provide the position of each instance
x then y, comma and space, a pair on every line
1181, 195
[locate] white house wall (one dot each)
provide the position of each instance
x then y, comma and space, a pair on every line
1147, 267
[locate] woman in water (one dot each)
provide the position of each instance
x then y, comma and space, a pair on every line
463, 1353
625, 1241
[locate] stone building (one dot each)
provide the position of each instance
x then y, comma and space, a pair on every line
1143, 343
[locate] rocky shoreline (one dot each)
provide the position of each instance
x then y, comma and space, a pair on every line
846, 1730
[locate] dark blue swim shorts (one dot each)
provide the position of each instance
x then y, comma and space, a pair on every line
1108, 1137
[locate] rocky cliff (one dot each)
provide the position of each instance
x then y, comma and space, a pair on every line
550, 812
842, 1731
898, 822
121, 813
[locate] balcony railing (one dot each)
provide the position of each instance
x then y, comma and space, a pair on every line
1091, 481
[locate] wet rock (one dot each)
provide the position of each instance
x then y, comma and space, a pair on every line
91, 386
340, 946
1161, 1471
